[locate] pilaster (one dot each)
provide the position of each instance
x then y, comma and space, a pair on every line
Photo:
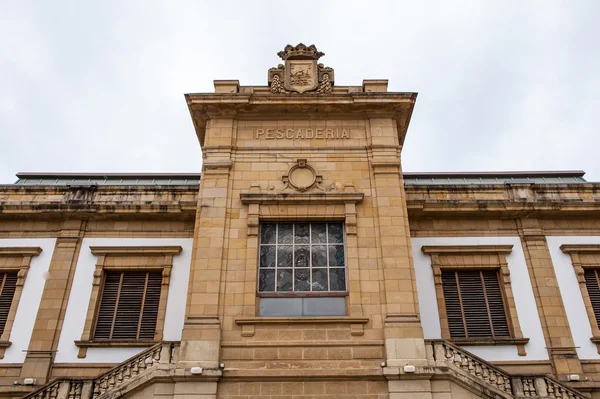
403, 333
553, 317
202, 330
53, 305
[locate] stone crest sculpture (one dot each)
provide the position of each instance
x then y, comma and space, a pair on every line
301, 73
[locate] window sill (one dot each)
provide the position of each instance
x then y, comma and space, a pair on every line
356, 323
519, 342
3, 346
300, 294
83, 345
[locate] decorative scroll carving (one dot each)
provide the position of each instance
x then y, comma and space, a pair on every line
302, 176
301, 73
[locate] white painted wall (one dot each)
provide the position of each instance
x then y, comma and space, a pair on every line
522, 291
82, 290
571, 294
31, 296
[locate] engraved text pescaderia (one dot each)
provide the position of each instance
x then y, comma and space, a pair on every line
303, 134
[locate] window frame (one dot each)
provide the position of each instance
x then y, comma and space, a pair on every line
302, 294
586, 257
477, 258
21, 262
124, 259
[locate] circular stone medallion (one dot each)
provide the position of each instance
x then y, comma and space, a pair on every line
302, 177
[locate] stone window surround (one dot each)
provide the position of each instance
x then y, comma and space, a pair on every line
258, 201
499, 252
26, 253
580, 263
122, 253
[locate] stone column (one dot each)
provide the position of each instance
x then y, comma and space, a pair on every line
403, 333
202, 331
553, 317
53, 305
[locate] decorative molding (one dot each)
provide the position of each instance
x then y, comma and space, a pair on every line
120, 256
440, 260
302, 198
21, 263
302, 177
302, 320
585, 256
356, 323
136, 251
301, 73
466, 249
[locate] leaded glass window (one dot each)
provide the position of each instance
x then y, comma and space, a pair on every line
302, 257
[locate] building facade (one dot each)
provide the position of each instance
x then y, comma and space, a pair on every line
301, 263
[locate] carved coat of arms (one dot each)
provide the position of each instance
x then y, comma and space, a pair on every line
301, 73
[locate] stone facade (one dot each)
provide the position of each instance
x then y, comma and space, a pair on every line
300, 150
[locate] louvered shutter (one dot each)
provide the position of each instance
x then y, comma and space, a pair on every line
592, 282
8, 284
474, 304
129, 306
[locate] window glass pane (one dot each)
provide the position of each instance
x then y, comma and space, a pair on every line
267, 233
336, 255
319, 256
266, 280
301, 256
284, 255
337, 279
286, 233
267, 256
302, 233
319, 277
284, 279
336, 233
319, 233
302, 279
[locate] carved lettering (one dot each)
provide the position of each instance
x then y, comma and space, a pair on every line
302, 134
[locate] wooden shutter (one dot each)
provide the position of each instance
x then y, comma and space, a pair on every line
8, 284
474, 304
592, 283
129, 306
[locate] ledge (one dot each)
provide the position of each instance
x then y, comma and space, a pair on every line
595, 340
302, 198
466, 249
137, 250
575, 248
22, 251
356, 323
115, 344
3, 346
302, 320
494, 342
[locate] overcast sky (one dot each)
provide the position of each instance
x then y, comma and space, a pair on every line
98, 86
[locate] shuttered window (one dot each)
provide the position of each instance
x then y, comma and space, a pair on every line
129, 305
8, 284
474, 304
592, 283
